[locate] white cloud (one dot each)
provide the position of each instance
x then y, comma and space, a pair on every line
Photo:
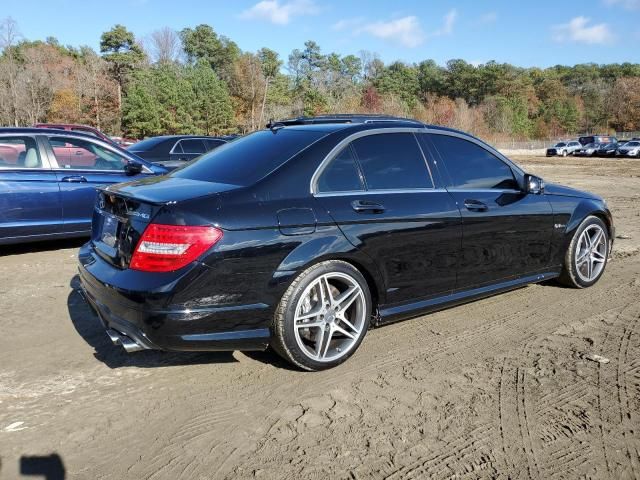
628, 4
280, 13
405, 31
579, 30
447, 27
489, 17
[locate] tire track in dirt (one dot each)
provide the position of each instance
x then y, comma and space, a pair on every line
615, 409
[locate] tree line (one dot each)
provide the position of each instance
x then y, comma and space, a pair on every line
195, 81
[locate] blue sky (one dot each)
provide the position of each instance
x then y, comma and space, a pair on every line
527, 33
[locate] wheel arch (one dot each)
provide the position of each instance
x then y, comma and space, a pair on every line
338, 248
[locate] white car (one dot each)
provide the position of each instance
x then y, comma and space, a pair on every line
629, 149
563, 148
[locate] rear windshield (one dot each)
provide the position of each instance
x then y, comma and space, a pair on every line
248, 159
147, 144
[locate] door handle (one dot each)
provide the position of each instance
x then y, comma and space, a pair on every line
74, 179
366, 206
79, 152
475, 206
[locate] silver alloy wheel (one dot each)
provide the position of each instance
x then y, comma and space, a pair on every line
330, 317
591, 253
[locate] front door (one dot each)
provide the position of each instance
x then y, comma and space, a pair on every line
29, 194
88, 167
505, 232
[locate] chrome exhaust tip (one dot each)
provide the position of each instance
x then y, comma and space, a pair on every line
127, 343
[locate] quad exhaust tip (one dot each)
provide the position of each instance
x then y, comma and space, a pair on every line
127, 343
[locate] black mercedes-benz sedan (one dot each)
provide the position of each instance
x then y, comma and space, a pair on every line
304, 235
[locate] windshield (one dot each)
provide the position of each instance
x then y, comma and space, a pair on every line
591, 145
561, 144
249, 159
632, 144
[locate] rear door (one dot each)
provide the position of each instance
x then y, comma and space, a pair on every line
91, 165
380, 191
505, 232
29, 195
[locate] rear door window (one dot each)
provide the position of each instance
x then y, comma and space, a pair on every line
472, 167
392, 161
19, 152
341, 175
211, 144
192, 146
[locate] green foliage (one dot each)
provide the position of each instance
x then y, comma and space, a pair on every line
170, 99
203, 43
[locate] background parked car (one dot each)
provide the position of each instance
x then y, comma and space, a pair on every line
588, 150
72, 127
48, 181
588, 139
563, 148
629, 149
171, 151
608, 149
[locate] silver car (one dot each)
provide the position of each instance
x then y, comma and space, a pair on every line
629, 149
563, 148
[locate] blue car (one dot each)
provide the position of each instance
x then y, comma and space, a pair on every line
48, 181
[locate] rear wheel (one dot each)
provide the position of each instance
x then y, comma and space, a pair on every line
564, 153
587, 255
323, 316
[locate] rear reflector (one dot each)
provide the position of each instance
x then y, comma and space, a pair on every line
165, 248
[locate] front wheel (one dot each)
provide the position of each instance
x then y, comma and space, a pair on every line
587, 255
323, 316
564, 153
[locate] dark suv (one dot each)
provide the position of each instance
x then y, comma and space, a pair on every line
303, 235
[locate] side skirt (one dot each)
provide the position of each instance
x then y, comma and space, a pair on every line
390, 314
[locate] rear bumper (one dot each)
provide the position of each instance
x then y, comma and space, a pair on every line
140, 327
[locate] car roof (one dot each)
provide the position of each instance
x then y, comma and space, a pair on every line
176, 137
46, 131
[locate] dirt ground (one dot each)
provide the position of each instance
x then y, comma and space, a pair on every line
499, 388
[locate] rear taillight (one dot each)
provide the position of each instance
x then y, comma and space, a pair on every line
165, 248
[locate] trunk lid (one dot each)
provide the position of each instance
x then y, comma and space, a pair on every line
123, 211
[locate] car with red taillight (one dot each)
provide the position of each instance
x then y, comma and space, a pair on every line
304, 235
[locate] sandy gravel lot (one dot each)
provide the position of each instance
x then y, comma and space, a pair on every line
499, 388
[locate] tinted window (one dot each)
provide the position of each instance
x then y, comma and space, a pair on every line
471, 166
250, 158
74, 153
149, 144
211, 144
392, 161
192, 146
19, 152
561, 144
341, 175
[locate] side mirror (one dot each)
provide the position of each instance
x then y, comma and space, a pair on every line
533, 185
133, 168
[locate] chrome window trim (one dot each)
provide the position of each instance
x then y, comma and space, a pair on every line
380, 192
313, 184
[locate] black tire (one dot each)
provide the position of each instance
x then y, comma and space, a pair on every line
283, 330
569, 275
